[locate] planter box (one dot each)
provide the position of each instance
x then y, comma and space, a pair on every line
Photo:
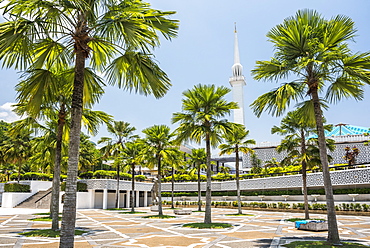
154, 208
182, 211
314, 226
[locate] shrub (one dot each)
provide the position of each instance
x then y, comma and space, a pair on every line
81, 187
105, 174
140, 178
184, 177
36, 176
16, 187
87, 175
14, 176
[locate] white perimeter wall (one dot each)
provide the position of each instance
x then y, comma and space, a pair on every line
9, 200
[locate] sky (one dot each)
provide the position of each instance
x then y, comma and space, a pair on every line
203, 54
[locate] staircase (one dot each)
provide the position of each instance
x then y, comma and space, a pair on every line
39, 200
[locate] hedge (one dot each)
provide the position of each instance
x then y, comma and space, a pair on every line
16, 187
35, 176
81, 187
140, 178
272, 192
104, 174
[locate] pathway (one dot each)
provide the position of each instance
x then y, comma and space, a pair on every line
112, 229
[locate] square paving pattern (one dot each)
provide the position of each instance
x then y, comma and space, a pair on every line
112, 229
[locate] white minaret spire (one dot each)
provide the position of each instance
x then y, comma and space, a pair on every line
237, 82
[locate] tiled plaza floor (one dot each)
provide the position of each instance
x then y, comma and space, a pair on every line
112, 229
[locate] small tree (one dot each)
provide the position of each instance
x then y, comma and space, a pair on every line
351, 155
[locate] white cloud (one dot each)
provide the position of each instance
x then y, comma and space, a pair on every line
7, 114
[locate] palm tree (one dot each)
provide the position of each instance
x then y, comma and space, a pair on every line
316, 51
236, 142
57, 118
297, 128
198, 157
158, 147
174, 162
17, 148
121, 34
131, 155
203, 107
122, 132
256, 164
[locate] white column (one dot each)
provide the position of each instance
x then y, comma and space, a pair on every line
137, 198
118, 205
145, 198
105, 198
128, 198
92, 198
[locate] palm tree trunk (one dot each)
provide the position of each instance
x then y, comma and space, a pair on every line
199, 190
304, 176
333, 235
117, 187
208, 213
237, 180
160, 211
54, 207
19, 171
69, 209
172, 187
132, 188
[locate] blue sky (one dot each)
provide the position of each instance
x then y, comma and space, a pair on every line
203, 53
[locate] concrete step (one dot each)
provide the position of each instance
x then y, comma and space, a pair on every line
39, 200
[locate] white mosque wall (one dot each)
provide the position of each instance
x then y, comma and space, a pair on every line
359, 177
266, 151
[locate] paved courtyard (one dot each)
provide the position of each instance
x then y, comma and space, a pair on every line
112, 229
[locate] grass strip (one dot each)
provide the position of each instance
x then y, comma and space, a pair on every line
48, 233
45, 213
47, 218
113, 209
210, 225
321, 244
159, 217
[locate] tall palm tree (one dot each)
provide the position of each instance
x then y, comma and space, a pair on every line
121, 34
235, 142
316, 51
203, 107
158, 146
56, 116
297, 129
17, 148
198, 157
122, 132
131, 154
173, 163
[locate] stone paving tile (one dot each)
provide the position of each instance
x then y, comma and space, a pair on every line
111, 229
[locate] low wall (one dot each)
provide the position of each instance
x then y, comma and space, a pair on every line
10, 200
278, 198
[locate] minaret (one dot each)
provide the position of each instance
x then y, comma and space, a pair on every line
237, 82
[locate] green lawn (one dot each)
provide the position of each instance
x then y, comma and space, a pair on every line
48, 233
211, 225
135, 212
159, 217
321, 244
47, 218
